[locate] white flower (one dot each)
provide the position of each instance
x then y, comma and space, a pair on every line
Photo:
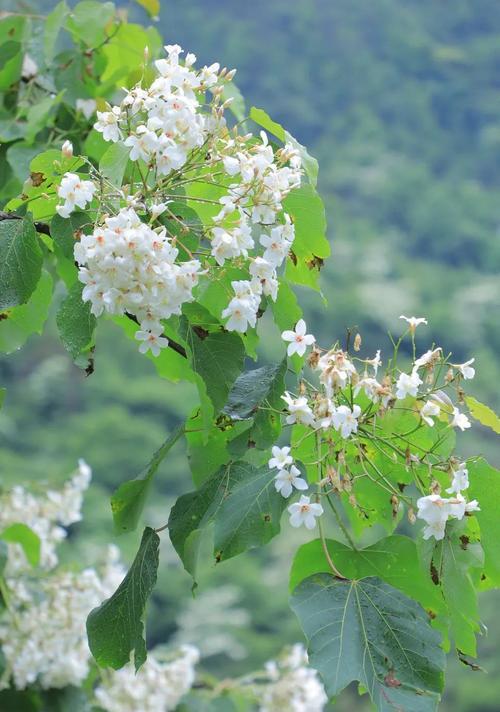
407, 385
286, 480
472, 506
299, 410
466, 369
428, 357
75, 192
460, 480
375, 362
429, 410
414, 321
107, 124
281, 458
346, 420
240, 314
151, 341
86, 106
29, 67
67, 149
303, 512
299, 340
436, 529
460, 420
336, 370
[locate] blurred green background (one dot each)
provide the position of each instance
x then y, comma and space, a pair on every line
400, 102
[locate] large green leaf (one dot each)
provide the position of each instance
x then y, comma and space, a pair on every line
485, 487
368, 631
242, 501
127, 502
75, 322
393, 559
115, 628
485, 415
87, 22
17, 324
53, 25
451, 562
217, 356
20, 261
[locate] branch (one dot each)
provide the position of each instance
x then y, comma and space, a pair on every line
45, 229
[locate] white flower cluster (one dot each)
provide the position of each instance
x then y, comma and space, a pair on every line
46, 514
42, 631
332, 408
293, 686
436, 510
125, 264
157, 687
127, 267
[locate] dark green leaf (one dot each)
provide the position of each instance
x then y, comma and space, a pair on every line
63, 232
20, 261
53, 25
115, 628
485, 487
75, 322
127, 503
367, 631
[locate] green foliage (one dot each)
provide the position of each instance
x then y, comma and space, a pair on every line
20, 261
368, 631
75, 323
485, 415
115, 629
19, 323
26, 537
127, 503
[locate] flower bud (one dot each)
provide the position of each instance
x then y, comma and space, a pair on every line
357, 342
67, 149
411, 516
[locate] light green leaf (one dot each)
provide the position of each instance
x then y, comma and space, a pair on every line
127, 502
237, 106
125, 52
286, 309
17, 324
485, 487
20, 261
368, 631
393, 559
263, 119
151, 6
310, 246
114, 163
53, 25
11, 31
115, 628
309, 163
88, 21
24, 536
75, 322
484, 414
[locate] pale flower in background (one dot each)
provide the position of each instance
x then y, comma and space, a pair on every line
86, 106
304, 512
299, 340
460, 480
281, 458
414, 321
460, 420
429, 410
466, 369
67, 149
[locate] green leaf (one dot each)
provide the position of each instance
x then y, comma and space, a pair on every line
286, 309
127, 502
19, 156
88, 20
151, 6
263, 119
393, 559
217, 356
310, 246
237, 106
75, 322
367, 631
485, 487
19, 323
450, 562
242, 501
25, 536
64, 232
124, 52
114, 163
11, 31
115, 628
53, 25
20, 261
484, 414
309, 163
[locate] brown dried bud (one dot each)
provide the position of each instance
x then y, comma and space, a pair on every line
435, 487
411, 516
314, 358
357, 342
449, 375
395, 505
352, 501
